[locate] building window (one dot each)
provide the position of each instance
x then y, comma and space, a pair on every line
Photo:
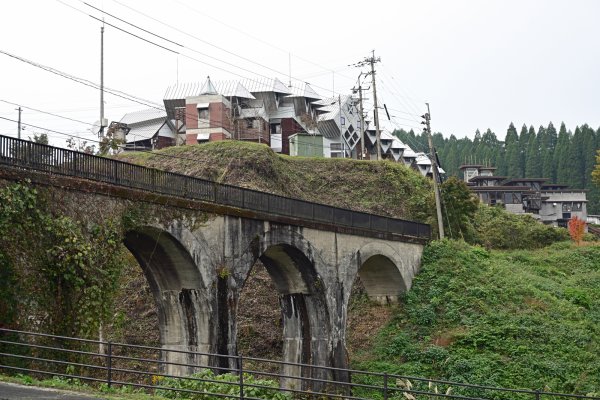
572, 206
252, 123
203, 113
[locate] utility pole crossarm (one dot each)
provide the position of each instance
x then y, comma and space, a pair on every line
372, 61
434, 170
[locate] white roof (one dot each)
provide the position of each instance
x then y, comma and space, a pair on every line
224, 88
384, 135
141, 116
304, 91
422, 159
144, 131
329, 107
409, 153
397, 144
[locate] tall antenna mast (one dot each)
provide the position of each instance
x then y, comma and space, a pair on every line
290, 69
101, 132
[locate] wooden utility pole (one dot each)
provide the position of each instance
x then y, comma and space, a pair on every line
362, 116
434, 167
372, 61
362, 123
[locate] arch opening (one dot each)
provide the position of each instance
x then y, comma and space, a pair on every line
377, 285
382, 279
285, 281
179, 294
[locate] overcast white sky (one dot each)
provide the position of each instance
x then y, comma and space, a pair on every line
478, 63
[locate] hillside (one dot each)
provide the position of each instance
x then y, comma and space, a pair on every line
526, 318
383, 188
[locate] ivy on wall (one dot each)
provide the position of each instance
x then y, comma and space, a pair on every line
57, 274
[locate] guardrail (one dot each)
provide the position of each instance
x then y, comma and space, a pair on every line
54, 160
143, 367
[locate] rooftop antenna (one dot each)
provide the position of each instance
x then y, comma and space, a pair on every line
290, 69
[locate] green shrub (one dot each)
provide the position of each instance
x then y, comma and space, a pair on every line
208, 383
497, 229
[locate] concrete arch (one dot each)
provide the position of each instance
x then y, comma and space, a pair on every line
382, 272
179, 292
288, 258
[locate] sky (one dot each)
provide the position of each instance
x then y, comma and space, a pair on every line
479, 64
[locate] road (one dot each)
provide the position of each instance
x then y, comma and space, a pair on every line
11, 391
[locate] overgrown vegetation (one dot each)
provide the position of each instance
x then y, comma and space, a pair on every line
492, 227
384, 188
209, 383
528, 319
59, 273
497, 229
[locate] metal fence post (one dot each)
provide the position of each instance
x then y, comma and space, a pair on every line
241, 364
109, 365
385, 386
537, 394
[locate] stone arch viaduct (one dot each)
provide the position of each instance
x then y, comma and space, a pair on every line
196, 270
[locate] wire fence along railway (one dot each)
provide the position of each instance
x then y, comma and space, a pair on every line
142, 367
25, 154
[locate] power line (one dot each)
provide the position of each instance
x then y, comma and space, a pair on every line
414, 111
393, 81
249, 35
191, 49
134, 35
135, 26
85, 82
47, 112
123, 95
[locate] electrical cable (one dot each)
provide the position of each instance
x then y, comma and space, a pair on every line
91, 84
46, 112
188, 48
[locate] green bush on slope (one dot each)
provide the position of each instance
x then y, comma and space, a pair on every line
495, 228
527, 319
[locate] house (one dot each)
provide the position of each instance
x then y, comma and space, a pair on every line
551, 204
263, 111
339, 124
292, 119
144, 130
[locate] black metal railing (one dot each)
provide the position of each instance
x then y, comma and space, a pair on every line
116, 365
25, 154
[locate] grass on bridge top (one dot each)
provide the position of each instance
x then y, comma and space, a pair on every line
384, 188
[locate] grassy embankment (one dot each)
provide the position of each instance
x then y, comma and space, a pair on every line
520, 318
384, 188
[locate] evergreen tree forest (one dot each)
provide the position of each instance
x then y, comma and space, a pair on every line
556, 153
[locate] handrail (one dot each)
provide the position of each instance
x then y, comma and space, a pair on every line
54, 160
102, 368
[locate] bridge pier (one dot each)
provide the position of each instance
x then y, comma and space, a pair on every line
197, 277
200, 239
